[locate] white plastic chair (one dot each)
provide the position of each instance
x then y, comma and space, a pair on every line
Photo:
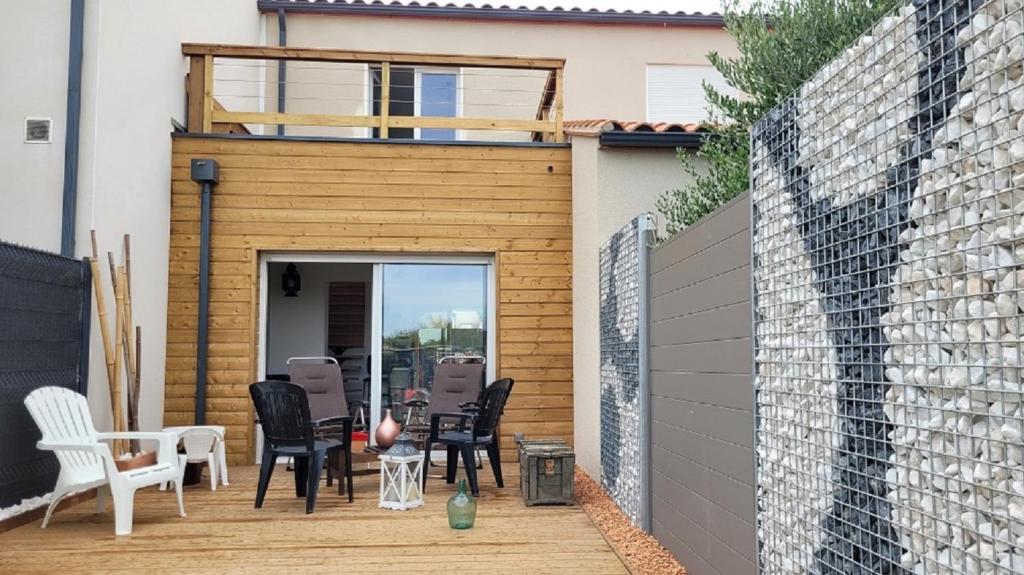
86, 461
203, 444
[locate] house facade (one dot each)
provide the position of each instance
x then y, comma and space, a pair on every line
417, 136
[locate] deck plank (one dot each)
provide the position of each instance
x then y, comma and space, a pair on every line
224, 534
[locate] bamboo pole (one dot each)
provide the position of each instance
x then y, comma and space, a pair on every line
138, 371
101, 311
118, 359
123, 334
128, 318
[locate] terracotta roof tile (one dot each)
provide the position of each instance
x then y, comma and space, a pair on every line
596, 127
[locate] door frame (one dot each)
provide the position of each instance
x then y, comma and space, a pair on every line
377, 260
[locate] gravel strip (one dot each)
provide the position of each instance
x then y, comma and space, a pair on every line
641, 553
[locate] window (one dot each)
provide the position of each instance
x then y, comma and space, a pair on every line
416, 92
676, 93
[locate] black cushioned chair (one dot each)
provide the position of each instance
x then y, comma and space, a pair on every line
283, 411
471, 430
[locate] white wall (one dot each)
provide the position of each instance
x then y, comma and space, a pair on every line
132, 85
297, 326
610, 187
33, 64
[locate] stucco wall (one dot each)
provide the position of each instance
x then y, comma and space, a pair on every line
611, 186
132, 86
35, 85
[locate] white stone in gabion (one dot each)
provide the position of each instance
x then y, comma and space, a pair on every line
978, 153
798, 432
854, 112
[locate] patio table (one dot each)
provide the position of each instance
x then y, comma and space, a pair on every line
222, 459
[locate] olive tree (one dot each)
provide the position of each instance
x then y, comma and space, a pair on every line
781, 43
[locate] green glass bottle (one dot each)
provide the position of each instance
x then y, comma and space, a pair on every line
461, 509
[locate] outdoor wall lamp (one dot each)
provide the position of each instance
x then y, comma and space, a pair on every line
291, 281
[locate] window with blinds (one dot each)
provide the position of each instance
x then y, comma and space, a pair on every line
675, 93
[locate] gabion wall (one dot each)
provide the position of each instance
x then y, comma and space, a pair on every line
619, 268
888, 198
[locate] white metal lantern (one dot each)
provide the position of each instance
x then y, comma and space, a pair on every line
401, 475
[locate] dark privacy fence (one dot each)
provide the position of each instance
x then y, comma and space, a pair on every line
888, 198
701, 398
44, 340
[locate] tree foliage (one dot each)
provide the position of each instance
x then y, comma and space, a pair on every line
781, 43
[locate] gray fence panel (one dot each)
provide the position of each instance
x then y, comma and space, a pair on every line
701, 395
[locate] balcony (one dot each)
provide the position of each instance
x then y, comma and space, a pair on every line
312, 92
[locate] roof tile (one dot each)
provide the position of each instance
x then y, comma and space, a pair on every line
596, 127
569, 12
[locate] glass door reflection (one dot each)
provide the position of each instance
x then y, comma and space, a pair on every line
429, 312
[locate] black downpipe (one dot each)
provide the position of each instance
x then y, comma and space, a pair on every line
282, 69
73, 121
206, 173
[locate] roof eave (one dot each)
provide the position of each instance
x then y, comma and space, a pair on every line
685, 140
502, 14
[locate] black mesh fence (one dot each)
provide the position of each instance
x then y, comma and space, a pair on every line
44, 340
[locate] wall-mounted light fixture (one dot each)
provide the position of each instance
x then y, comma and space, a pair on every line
291, 281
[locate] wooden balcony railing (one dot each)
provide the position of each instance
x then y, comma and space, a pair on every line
206, 114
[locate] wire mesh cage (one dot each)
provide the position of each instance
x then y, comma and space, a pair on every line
888, 244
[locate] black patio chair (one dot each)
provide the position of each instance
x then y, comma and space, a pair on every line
283, 411
472, 429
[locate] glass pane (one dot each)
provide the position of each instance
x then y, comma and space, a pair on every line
403, 93
429, 312
438, 98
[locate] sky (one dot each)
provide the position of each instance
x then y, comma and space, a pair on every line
653, 5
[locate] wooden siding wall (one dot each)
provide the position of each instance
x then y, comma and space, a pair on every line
513, 202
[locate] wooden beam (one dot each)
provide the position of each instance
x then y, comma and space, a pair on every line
375, 121
196, 77
385, 98
296, 119
356, 56
559, 133
470, 123
208, 94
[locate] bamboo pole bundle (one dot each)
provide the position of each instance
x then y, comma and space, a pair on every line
101, 311
124, 333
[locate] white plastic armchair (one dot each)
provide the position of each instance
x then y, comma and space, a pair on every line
86, 461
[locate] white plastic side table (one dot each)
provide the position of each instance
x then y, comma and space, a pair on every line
222, 458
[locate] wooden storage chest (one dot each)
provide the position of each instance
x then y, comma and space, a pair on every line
546, 469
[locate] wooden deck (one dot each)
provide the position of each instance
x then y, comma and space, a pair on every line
224, 534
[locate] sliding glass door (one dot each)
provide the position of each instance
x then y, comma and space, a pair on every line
429, 312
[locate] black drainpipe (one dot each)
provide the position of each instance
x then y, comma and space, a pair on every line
206, 173
73, 115
282, 71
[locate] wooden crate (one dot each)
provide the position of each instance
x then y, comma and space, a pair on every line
546, 469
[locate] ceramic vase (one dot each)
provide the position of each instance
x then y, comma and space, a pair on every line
387, 431
461, 509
